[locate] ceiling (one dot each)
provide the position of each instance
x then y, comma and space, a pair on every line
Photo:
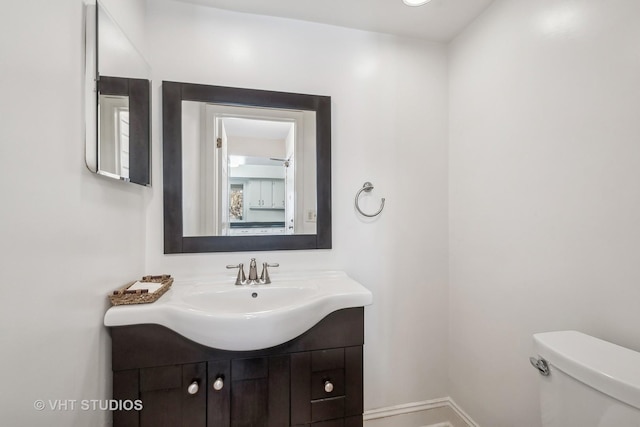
439, 20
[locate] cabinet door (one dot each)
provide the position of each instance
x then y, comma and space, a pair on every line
126, 387
266, 193
326, 387
260, 392
260, 193
278, 194
219, 394
254, 193
174, 396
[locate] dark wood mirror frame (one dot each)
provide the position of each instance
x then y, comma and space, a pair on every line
173, 93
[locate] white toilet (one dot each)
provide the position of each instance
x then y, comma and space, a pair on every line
588, 382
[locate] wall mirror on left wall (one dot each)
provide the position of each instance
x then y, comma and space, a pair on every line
117, 101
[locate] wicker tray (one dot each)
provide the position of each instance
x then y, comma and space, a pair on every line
141, 296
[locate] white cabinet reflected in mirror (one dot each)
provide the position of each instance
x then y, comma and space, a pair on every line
117, 101
247, 170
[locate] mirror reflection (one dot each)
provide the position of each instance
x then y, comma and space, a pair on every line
117, 55
247, 170
114, 134
117, 101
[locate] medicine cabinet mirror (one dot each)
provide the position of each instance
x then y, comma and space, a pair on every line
245, 169
117, 101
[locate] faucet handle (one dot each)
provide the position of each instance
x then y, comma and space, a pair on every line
264, 277
241, 277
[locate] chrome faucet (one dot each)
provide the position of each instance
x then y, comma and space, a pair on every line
253, 271
253, 279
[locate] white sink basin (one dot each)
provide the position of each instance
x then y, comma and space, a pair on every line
218, 314
248, 299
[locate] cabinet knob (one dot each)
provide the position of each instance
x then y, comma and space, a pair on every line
193, 388
328, 386
218, 384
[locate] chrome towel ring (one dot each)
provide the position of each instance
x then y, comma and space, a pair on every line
367, 187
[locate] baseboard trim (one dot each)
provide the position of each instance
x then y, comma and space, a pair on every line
465, 417
405, 408
426, 405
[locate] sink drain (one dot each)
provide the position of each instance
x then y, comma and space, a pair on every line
254, 295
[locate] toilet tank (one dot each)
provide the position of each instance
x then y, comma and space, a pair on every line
591, 382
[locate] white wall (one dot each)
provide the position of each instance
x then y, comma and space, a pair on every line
389, 100
68, 237
193, 201
306, 179
544, 192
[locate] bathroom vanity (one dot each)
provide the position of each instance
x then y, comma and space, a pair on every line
211, 353
312, 380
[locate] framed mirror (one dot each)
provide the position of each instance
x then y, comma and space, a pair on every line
117, 101
245, 169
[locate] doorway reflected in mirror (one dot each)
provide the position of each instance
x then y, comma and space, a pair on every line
247, 170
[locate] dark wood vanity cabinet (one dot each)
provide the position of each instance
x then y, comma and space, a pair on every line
314, 380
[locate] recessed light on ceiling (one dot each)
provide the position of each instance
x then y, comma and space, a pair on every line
415, 2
